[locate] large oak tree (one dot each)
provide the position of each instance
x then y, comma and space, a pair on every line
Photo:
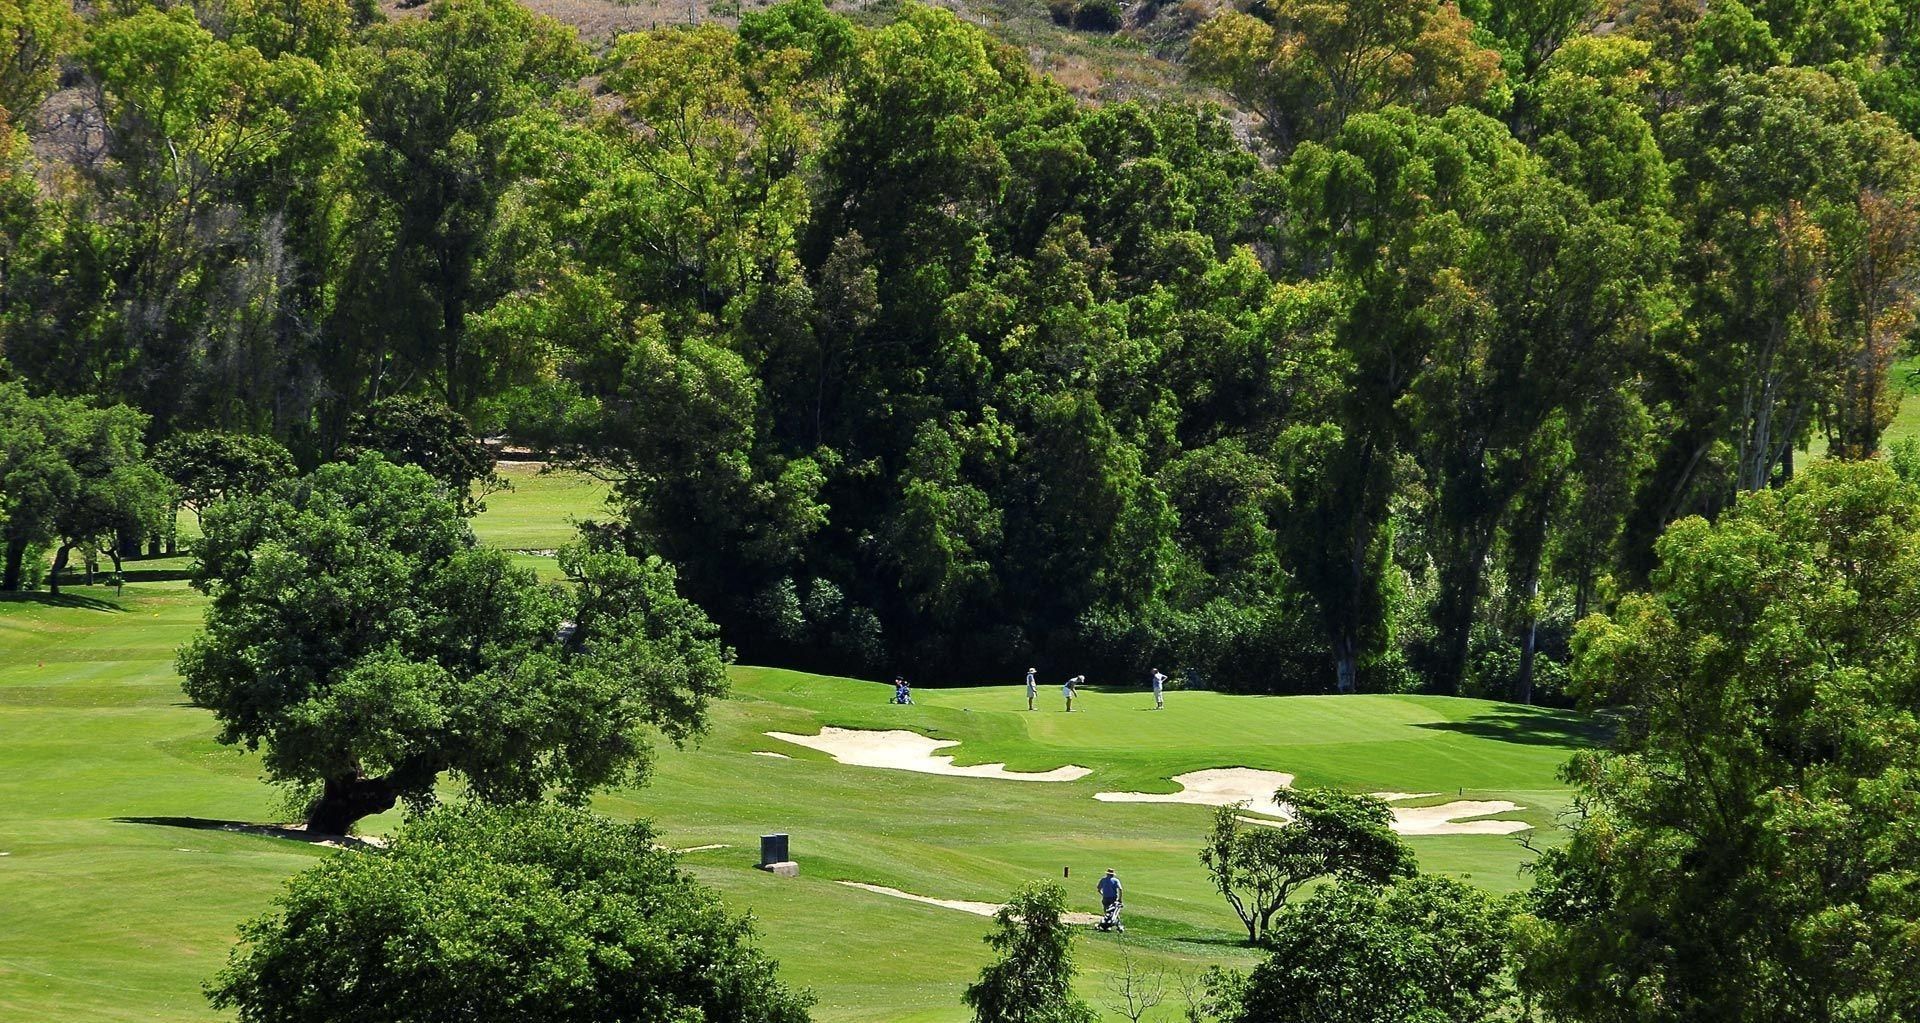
367, 645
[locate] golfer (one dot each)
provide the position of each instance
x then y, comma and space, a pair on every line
1159, 690
1033, 685
1109, 888
1067, 690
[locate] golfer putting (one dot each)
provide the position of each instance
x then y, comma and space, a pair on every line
1067, 690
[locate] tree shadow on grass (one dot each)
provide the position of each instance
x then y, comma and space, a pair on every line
156, 575
290, 832
1530, 727
74, 579
1212, 941
60, 600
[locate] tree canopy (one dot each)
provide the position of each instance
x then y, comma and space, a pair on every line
1259, 865
539, 913
1379, 378
1419, 949
360, 638
1747, 850
1032, 980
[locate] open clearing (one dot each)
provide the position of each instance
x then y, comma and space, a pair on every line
122, 885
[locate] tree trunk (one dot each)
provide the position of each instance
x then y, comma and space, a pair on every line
16, 562
1529, 645
343, 801
153, 546
59, 566
1460, 578
1531, 540
1346, 667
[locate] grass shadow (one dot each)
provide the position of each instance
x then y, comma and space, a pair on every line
60, 600
155, 575
1211, 941
288, 832
1529, 727
131, 575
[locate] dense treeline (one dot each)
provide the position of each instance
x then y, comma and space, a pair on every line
906, 359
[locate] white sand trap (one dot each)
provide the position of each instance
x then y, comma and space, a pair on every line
770, 753
1226, 786
1217, 786
1445, 819
902, 750
976, 908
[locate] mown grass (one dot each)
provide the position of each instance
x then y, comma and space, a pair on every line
542, 508
114, 912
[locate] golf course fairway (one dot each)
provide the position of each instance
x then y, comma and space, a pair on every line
121, 891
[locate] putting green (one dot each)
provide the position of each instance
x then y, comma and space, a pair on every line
116, 911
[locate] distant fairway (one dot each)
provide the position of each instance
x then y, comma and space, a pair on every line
110, 918
541, 510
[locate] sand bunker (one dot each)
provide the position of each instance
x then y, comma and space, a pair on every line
1226, 786
976, 908
770, 753
1218, 786
902, 750
1445, 819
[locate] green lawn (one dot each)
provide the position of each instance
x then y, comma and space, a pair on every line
1906, 422
541, 510
113, 911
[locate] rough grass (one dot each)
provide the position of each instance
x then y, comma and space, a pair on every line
113, 911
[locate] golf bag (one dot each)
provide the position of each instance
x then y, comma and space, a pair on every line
1110, 920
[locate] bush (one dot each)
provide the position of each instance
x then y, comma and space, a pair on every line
1420, 950
1032, 980
1097, 16
535, 913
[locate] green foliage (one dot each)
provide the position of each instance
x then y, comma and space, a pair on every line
1032, 980
1310, 64
362, 640
907, 361
117, 496
426, 433
206, 466
447, 102
1747, 851
1258, 866
36, 33
1420, 949
72, 476
532, 912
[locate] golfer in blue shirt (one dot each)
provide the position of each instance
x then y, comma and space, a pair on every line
1109, 887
